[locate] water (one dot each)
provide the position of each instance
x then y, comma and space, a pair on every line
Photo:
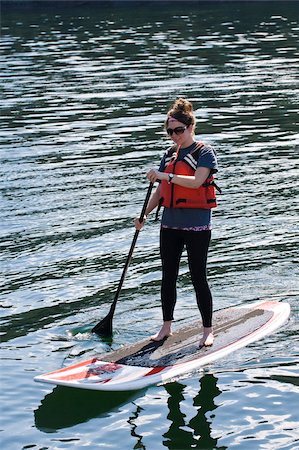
85, 93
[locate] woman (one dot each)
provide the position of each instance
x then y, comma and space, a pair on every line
187, 192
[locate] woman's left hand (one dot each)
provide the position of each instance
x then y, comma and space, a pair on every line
154, 175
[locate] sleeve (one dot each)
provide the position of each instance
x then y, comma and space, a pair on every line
207, 158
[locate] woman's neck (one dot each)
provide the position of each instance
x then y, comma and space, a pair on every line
187, 143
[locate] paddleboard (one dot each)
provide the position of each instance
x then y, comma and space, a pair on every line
147, 362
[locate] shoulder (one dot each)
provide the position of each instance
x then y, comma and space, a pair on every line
207, 157
207, 149
166, 158
203, 149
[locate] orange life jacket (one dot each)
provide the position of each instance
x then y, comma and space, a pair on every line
175, 196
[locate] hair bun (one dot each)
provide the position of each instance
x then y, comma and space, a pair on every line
182, 110
183, 105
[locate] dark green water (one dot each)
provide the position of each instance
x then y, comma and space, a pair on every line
85, 89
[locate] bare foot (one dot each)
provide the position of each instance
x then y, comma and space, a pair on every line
163, 333
207, 339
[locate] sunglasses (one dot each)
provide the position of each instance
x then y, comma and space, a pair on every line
177, 130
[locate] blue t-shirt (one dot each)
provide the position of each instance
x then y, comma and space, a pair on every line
191, 218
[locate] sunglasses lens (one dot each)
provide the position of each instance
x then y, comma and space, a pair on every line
177, 130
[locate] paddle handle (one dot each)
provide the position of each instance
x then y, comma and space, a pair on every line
121, 281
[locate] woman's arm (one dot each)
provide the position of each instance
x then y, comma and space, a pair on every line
152, 204
192, 182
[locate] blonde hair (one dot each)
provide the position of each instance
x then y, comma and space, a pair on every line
181, 110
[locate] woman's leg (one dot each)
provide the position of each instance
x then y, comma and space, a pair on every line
171, 247
197, 243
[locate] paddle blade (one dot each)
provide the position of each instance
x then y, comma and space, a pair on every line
104, 327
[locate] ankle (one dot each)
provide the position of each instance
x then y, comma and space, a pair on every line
167, 324
207, 330
207, 338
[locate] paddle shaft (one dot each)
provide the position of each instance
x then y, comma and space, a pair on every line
128, 260
105, 326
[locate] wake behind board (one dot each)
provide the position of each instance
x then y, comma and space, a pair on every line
147, 362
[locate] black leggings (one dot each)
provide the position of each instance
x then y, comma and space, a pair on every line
172, 243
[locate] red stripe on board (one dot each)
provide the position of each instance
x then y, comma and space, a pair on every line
155, 370
75, 366
88, 373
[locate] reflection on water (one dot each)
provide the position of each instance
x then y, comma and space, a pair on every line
65, 407
85, 89
179, 434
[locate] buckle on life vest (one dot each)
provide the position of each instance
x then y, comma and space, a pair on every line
216, 187
212, 183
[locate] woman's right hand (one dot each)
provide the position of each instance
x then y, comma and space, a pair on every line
139, 225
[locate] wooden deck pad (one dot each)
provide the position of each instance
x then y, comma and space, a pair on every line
230, 325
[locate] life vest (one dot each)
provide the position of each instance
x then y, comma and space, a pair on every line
175, 196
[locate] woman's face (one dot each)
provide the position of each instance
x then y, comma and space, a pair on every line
180, 133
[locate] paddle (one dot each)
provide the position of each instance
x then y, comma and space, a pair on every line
104, 327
